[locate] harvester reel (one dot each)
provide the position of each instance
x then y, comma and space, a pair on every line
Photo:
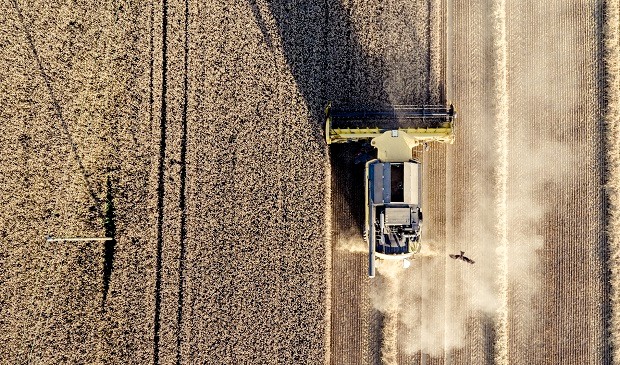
431, 123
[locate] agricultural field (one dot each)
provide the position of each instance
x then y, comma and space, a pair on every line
192, 133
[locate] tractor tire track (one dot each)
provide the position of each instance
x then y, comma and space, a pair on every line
151, 64
160, 184
175, 202
599, 271
183, 191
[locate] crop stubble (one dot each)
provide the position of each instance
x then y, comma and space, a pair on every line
553, 279
554, 273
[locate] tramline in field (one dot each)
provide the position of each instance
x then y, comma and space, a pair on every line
393, 180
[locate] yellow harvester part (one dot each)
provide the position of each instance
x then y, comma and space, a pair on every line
444, 132
340, 135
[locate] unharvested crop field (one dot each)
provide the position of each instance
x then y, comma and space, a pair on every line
192, 133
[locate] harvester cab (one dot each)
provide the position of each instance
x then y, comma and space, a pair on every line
393, 180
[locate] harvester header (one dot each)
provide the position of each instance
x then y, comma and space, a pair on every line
433, 123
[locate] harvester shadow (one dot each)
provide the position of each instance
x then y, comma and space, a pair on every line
604, 249
328, 64
109, 224
326, 58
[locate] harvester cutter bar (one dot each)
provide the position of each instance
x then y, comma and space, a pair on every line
342, 135
396, 112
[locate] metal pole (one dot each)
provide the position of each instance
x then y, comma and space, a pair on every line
52, 239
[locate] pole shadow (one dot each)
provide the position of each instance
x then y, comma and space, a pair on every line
109, 224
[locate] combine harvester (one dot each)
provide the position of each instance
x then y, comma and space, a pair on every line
393, 183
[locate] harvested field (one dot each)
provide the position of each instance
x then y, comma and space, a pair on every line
192, 133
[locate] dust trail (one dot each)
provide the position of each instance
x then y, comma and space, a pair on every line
389, 348
611, 49
430, 248
386, 299
351, 241
501, 178
328, 261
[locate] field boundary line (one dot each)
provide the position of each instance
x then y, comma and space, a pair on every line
448, 24
328, 261
429, 47
329, 236
611, 126
446, 97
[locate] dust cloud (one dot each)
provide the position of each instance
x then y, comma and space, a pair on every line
386, 298
351, 240
429, 308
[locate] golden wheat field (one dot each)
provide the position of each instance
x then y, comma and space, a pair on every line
191, 132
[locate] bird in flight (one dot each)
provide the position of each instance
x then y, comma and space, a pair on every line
462, 257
